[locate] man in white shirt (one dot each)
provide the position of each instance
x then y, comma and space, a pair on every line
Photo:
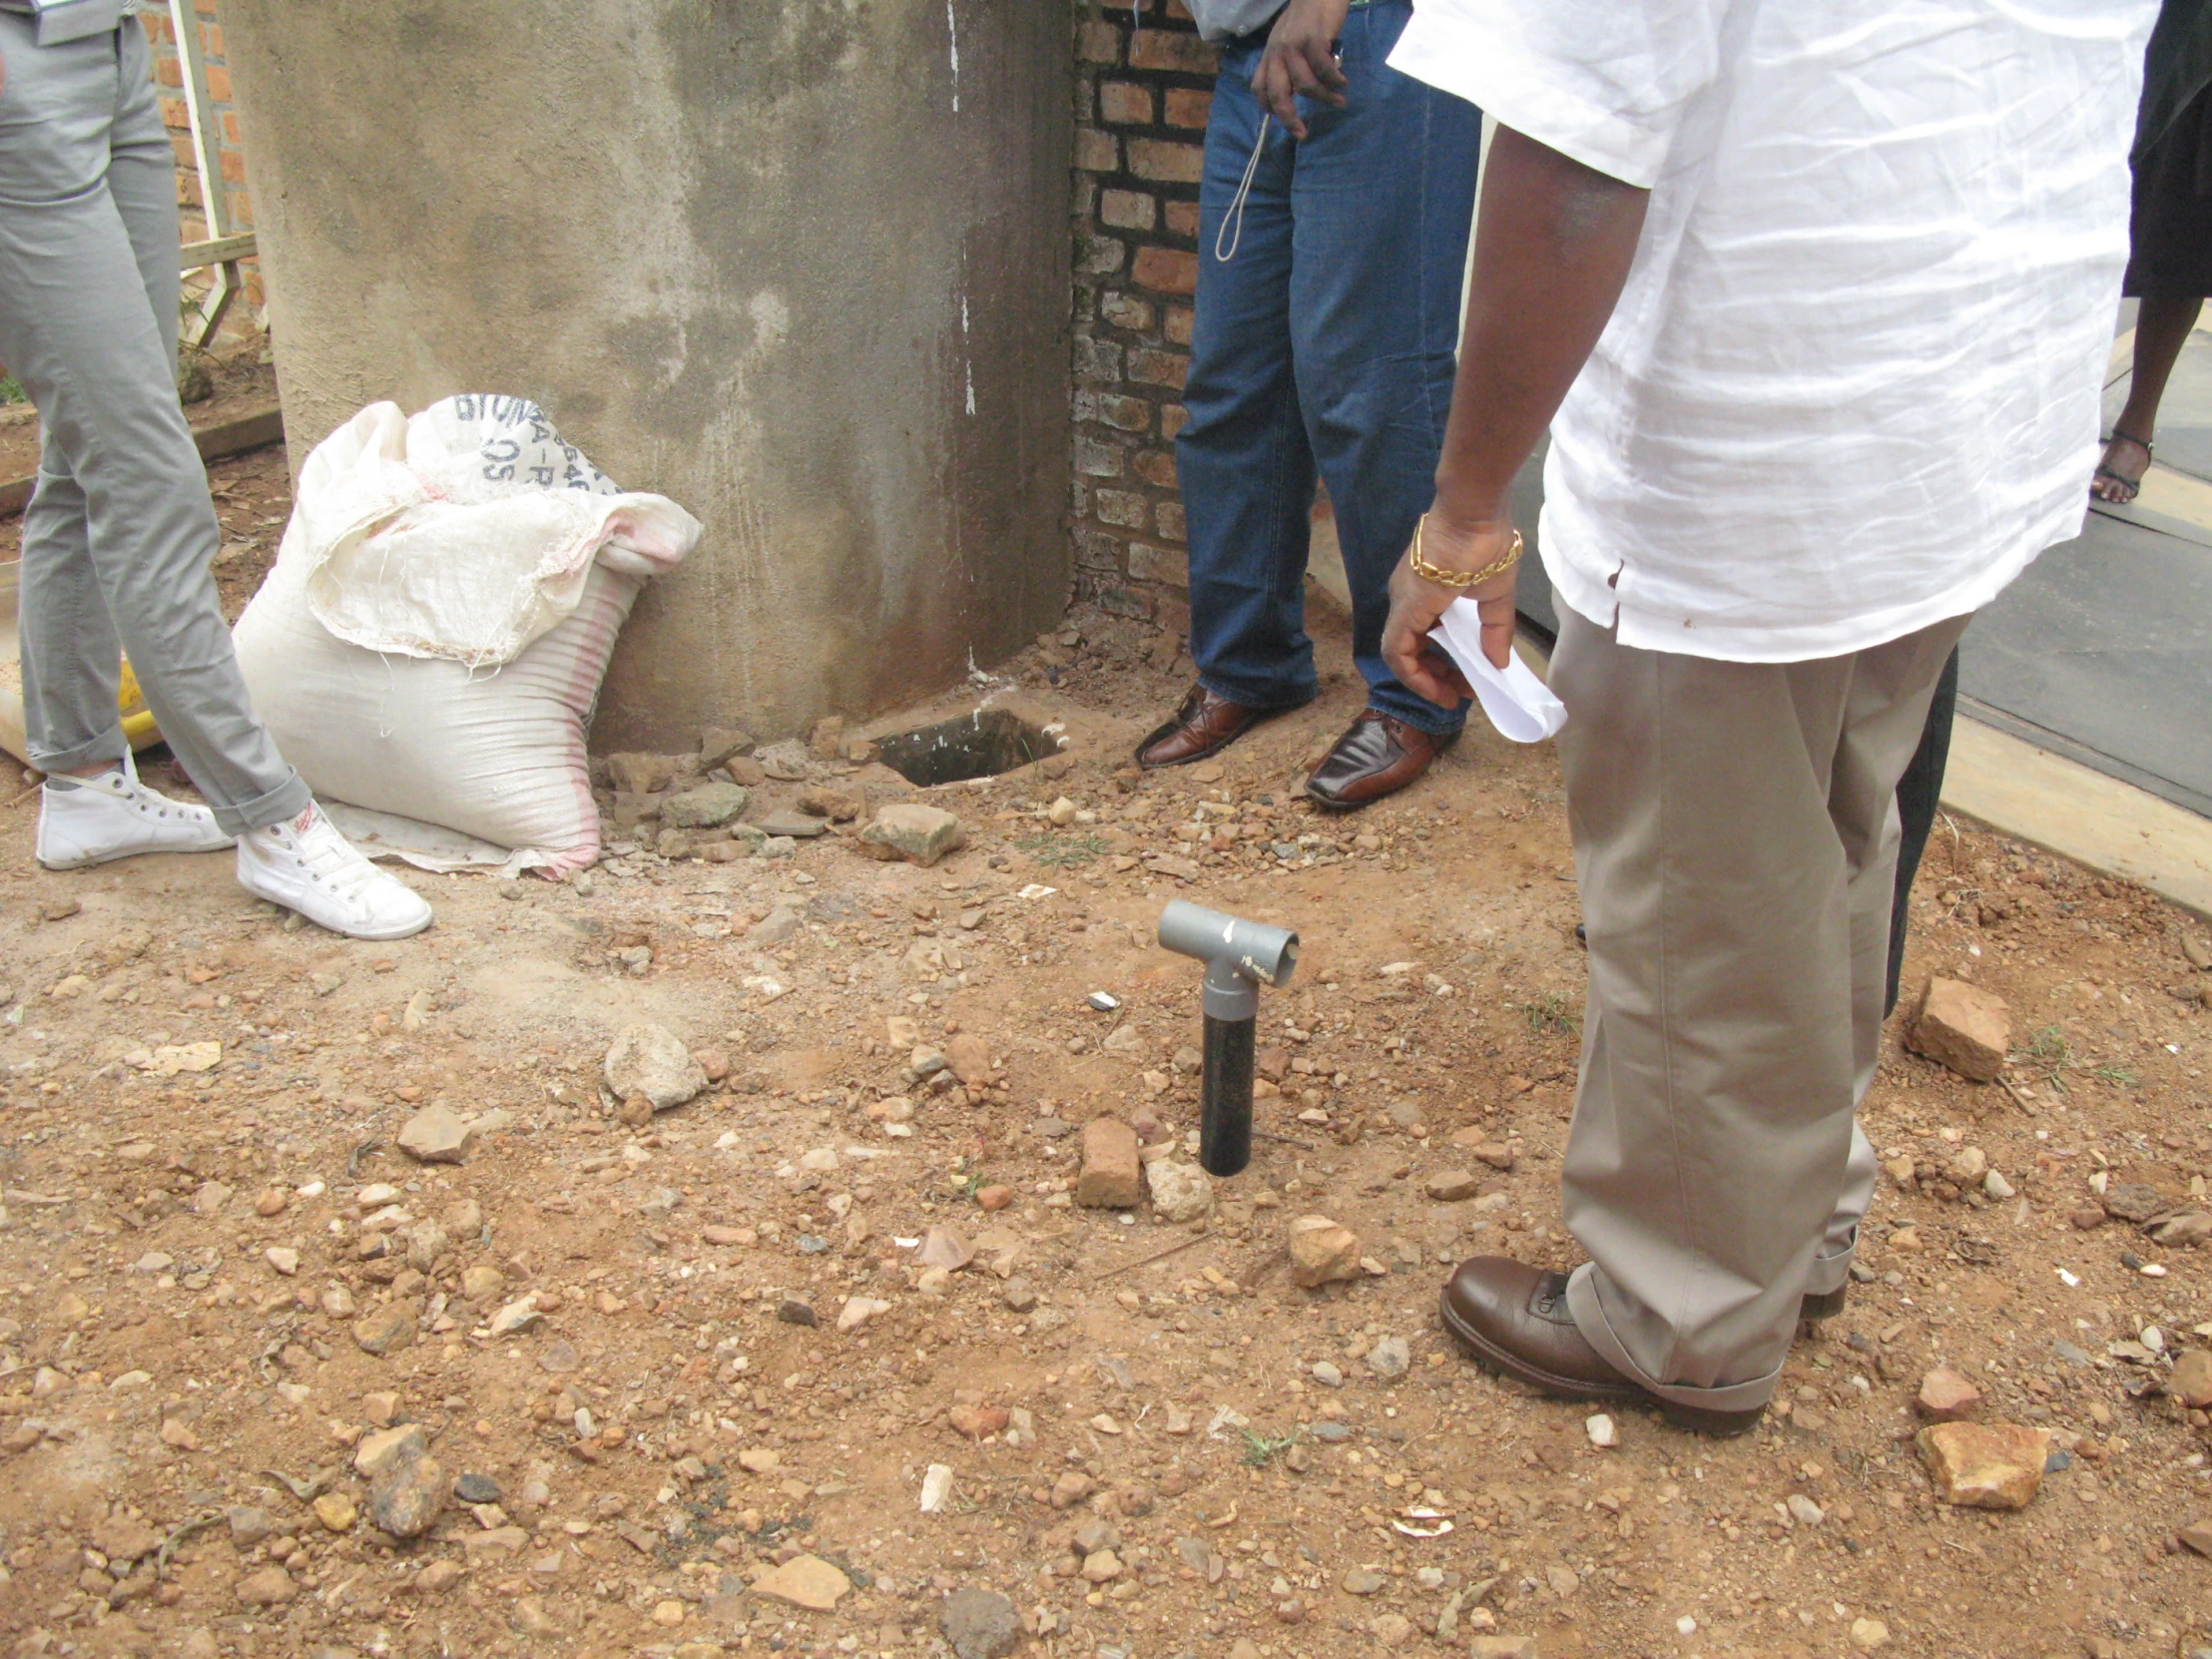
1816, 298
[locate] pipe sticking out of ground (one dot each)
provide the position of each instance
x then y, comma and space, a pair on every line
1239, 958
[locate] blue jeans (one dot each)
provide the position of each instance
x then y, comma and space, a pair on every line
1325, 342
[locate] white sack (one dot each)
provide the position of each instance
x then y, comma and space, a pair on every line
403, 572
465, 532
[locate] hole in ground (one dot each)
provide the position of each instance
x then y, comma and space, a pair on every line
980, 744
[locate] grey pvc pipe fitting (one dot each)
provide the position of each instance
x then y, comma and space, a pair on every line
1240, 955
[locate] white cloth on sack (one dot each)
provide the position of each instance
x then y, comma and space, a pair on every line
465, 532
1852, 386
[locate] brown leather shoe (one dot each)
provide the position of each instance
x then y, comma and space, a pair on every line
1205, 724
1379, 755
1513, 1320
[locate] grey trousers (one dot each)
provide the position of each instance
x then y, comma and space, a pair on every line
1736, 832
120, 534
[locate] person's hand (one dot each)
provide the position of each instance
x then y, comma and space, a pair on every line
1301, 57
1420, 663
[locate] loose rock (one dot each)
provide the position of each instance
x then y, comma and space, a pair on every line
269, 1588
1323, 1250
1985, 1466
980, 1625
1947, 1397
650, 1060
1451, 1185
804, 1581
1180, 1192
1110, 1178
384, 1329
1391, 1359
436, 1135
919, 834
706, 807
1963, 1027
406, 1498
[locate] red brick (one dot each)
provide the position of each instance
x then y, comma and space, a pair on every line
1158, 564
1098, 256
233, 165
1125, 415
1159, 368
1183, 218
168, 72
1188, 106
230, 129
1173, 416
1095, 459
1125, 311
218, 83
212, 35
1122, 507
1173, 615
1179, 322
1173, 51
242, 210
1125, 104
1169, 516
1179, 164
1156, 468
1096, 360
1095, 152
1098, 42
175, 115
1167, 270
1127, 209
205, 8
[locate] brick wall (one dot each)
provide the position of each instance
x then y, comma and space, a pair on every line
169, 76
1143, 81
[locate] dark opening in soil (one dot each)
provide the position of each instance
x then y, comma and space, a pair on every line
980, 744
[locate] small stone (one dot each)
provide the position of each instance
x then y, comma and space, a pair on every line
249, 1525
2087, 1217
1180, 1192
269, 1588
945, 1246
121, 1538
792, 1311
483, 1283
2198, 1536
406, 1498
719, 744
518, 1315
760, 1460
800, 827
1968, 1166
2192, 1227
837, 805
1188, 1060
650, 1060
1867, 1634
804, 1581
1361, 1581
1389, 1629
1604, 1433
1391, 1359
638, 774
859, 1309
282, 1258
1946, 1395
438, 1577
1900, 1170
209, 1198
977, 1421
1963, 1027
1111, 1175
1996, 1187
1072, 1489
386, 1450
1451, 1185
384, 1329
995, 1196
1985, 1466
1323, 1252
708, 807
919, 834
335, 1511
2132, 1201
1804, 1510
980, 1625
272, 1202
1502, 1647
436, 1135
969, 1057
476, 1488
2190, 1381
827, 741
1101, 1566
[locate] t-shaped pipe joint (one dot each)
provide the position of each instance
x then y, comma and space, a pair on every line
1239, 958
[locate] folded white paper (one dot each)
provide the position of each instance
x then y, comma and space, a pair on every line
1519, 704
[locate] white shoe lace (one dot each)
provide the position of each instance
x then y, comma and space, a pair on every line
327, 858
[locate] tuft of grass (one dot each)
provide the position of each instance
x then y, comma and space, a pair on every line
1263, 1449
1062, 852
1551, 1012
10, 391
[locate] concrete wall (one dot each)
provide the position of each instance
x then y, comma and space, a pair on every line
747, 253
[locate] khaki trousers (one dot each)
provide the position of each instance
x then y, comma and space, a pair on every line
1735, 833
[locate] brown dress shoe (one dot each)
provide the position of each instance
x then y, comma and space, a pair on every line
1513, 1320
1379, 755
1205, 724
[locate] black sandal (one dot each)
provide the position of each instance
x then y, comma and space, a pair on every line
2134, 485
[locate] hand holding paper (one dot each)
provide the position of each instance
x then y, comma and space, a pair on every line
1519, 704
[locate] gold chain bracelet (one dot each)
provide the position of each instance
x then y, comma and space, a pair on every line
1457, 578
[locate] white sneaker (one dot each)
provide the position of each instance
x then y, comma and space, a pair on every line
89, 820
304, 865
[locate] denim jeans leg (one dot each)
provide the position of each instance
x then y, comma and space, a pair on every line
1382, 203
1242, 458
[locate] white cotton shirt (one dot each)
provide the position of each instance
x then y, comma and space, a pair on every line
1852, 386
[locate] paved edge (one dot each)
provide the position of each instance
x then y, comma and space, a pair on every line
2116, 828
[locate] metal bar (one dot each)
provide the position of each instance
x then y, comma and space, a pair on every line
206, 139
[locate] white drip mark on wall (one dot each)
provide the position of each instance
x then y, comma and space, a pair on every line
952, 34
967, 361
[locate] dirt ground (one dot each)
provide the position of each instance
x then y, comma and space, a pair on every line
1158, 1445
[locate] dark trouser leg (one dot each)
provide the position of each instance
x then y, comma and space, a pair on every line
1919, 791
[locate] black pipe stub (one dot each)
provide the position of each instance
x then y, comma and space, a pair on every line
1239, 958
